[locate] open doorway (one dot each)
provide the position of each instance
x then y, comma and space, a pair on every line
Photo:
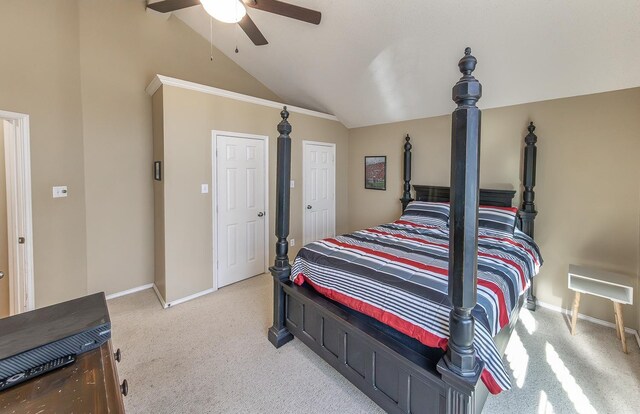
16, 244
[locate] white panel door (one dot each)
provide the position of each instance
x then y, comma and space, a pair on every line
319, 186
240, 189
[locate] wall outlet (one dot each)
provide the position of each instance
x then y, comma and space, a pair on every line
60, 191
292, 242
292, 184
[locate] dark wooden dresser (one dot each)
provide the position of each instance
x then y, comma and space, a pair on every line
90, 385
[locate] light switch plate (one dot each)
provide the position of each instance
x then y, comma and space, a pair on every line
204, 188
60, 191
292, 184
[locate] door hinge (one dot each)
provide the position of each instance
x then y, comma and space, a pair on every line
21, 240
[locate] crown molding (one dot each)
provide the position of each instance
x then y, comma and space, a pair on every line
160, 80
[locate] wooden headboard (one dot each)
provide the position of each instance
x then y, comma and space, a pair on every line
488, 197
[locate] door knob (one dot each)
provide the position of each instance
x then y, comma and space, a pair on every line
260, 214
309, 207
1, 275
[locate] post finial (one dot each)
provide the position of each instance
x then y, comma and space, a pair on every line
531, 137
407, 144
467, 90
468, 62
284, 127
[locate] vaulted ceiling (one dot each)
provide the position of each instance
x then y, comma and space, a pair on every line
379, 61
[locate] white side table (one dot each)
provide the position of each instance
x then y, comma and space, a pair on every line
604, 284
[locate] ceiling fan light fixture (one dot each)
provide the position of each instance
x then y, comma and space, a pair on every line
227, 11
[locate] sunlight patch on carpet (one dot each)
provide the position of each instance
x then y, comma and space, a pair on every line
518, 359
568, 382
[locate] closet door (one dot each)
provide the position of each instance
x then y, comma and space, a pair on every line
241, 210
319, 186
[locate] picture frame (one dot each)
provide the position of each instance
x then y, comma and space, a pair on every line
375, 172
157, 170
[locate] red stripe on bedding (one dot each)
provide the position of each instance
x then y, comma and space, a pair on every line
523, 279
511, 209
513, 243
410, 224
388, 318
425, 337
491, 384
503, 314
503, 239
388, 256
402, 236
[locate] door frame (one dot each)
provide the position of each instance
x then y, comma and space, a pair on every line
19, 213
305, 143
214, 195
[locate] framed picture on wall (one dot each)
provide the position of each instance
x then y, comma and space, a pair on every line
375, 172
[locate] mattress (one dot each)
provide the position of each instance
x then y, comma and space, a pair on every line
397, 273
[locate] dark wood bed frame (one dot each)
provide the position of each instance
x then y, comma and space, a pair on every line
401, 378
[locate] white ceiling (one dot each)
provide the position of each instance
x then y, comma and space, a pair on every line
376, 61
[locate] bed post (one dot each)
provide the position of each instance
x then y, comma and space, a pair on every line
460, 369
528, 212
281, 270
406, 195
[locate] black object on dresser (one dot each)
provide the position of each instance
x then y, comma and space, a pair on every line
35, 342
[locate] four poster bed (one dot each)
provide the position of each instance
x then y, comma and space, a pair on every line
416, 313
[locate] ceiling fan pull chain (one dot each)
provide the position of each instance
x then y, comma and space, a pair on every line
236, 28
211, 37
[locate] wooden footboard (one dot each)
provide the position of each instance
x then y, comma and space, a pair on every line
397, 379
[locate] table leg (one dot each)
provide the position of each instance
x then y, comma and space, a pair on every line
574, 313
620, 323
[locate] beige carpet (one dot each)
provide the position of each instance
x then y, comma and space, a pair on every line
211, 355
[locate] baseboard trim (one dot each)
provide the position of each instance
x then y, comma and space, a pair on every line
166, 305
160, 298
129, 291
589, 319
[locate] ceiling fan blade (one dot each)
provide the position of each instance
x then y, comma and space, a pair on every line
285, 9
167, 6
252, 31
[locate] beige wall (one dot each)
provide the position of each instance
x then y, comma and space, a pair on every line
4, 247
79, 69
121, 48
42, 79
158, 193
587, 191
189, 118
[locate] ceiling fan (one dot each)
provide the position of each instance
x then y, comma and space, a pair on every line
233, 11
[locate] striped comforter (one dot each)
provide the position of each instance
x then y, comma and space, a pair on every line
397, 273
